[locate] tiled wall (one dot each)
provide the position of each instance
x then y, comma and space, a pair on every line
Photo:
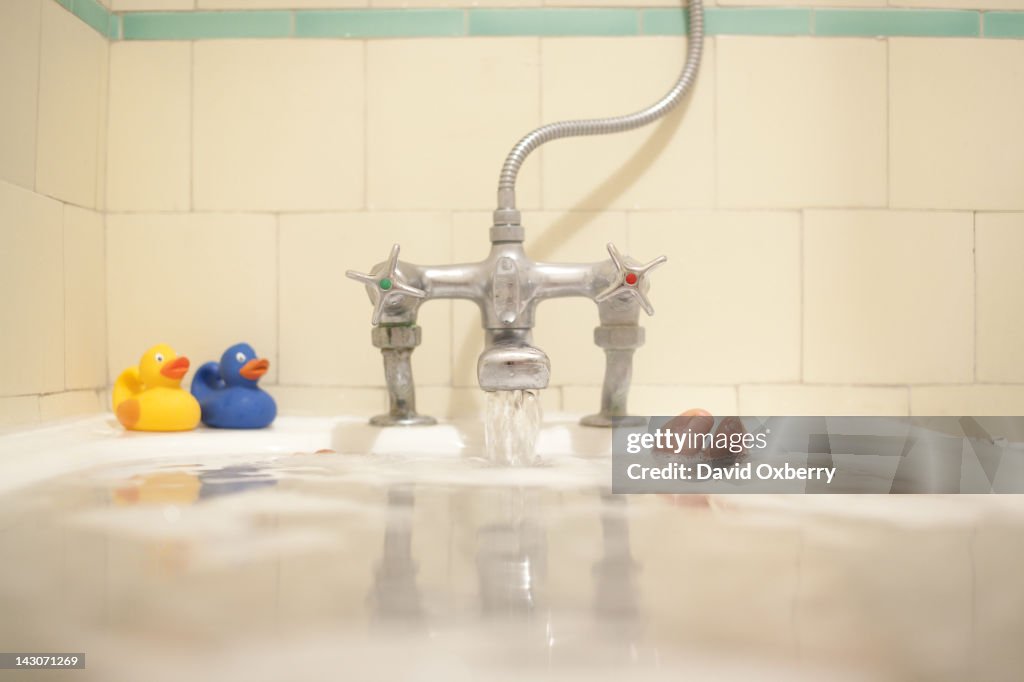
843, 215
53, 80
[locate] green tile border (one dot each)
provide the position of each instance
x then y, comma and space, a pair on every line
783, 21
200, 25
664, 22
1004, 24
896, 22
543, 21
94, 14
553, 22
380, 23
753, 21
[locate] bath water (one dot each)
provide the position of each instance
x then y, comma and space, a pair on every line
511, 424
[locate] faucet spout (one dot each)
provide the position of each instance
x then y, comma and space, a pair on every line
510, 362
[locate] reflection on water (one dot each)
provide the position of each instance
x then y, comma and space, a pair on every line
395, 596
301, 566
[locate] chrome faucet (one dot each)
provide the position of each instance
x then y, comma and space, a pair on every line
508, 285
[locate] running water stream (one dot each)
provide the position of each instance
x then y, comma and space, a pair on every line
511, 424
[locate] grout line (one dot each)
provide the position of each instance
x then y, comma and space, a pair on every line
39, 89
716, 157
541, 198
974, 283
106, 295
888, 124
803, 276
64, 293
102, 139
366, 125
451, 302
106, 305
486, 211
192, 126
277, 322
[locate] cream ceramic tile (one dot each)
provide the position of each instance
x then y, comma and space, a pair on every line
802, 3
421, 4
888, 297
955, 112
437, 141
801, 122
278, 125
32, 304
199, 282
564, 327
961, 4
670, 164
325, 317
799, 400
85, 299
280, 4
71, 67
139, 5
19, 81
102, 137
966, 400
617, 3
467, 340
68, 404
445, 402
19, 410
149, 155
655, 400
727, 301
1000, 283
318, 401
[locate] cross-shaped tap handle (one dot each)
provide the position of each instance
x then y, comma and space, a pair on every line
630, 279
387, 284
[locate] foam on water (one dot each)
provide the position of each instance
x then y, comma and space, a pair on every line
511, 425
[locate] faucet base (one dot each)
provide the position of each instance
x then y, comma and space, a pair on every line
605, 420
402, 420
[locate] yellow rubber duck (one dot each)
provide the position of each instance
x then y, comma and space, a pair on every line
150, 397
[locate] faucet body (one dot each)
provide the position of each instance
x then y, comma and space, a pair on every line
507, 286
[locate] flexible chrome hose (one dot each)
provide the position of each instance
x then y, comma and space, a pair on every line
604, 126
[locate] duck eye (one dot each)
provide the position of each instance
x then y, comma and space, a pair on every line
159, 357
240, 356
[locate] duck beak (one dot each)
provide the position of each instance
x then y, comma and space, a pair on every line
176, 368
254, 369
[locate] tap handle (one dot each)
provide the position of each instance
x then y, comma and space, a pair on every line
630, 279
387, 284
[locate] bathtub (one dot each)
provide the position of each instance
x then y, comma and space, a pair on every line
329, 549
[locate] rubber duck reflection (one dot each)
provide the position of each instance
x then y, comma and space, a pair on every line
186, 487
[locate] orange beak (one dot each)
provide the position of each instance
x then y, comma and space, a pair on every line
176, 368
254, 369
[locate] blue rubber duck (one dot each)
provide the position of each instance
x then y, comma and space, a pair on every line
228, 393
